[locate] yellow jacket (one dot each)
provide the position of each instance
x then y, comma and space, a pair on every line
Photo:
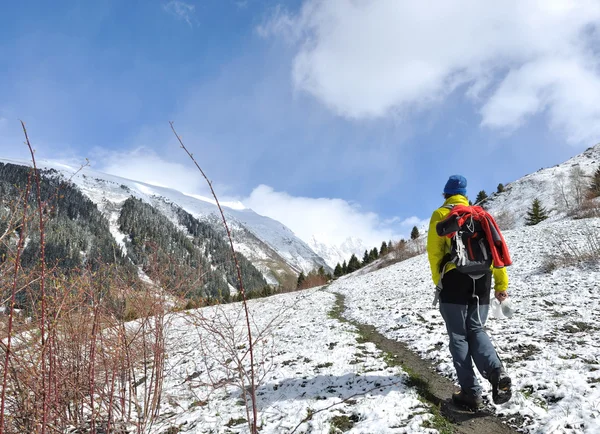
438, 246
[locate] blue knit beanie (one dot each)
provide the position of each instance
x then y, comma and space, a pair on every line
456, 184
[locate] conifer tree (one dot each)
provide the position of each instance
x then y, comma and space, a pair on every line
301, 279
481, 196
373, 254
337, 272
384, 249
353, 264
344, 268
595, 185
414, 233
500, 188
536, 213
366, 258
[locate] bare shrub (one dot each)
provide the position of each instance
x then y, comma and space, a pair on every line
401, 251
70, 363
100, 371
569, 250
561, 191
578, 185
590, 208
313, 279
505, 220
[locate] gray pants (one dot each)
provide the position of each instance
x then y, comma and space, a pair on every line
469, 343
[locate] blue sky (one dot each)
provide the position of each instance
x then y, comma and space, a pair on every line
354, 113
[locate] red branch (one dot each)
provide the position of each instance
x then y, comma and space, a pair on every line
12, 302
253, 425
45, 383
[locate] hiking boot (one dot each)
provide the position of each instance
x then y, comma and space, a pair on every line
464, 399
501, 385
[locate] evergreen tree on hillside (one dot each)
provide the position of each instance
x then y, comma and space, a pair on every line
353, 264
384, 249
536, 213
595, 185
414, 234
500, 188
481, 196
366, 258
301, 279
337, 272
344, 268
321, 271
373, 254
76, 232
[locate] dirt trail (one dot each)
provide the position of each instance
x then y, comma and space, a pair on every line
431, 386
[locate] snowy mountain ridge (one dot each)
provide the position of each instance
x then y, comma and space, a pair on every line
271, 246
336, 254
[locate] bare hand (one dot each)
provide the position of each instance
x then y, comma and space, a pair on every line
501, 296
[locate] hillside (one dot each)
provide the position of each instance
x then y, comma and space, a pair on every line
553, 186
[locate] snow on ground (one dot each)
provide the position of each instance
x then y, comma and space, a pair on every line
309, 361
551, 347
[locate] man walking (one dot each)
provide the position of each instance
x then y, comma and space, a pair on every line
464, 305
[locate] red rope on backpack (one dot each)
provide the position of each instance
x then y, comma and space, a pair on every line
500, 254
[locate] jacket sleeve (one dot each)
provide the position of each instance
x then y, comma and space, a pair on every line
435, 246
500, 279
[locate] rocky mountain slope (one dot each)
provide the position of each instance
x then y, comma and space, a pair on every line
268, 244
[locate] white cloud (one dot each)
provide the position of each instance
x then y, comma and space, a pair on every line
333, 220
145, 165
367, 59
564, 87
182, 10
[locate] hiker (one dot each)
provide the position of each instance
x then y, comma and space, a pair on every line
464, 305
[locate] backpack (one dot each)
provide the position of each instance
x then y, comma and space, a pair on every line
470, 249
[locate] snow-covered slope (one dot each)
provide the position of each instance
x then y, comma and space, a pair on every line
550, 347
549, 185
268, 244
310, 364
